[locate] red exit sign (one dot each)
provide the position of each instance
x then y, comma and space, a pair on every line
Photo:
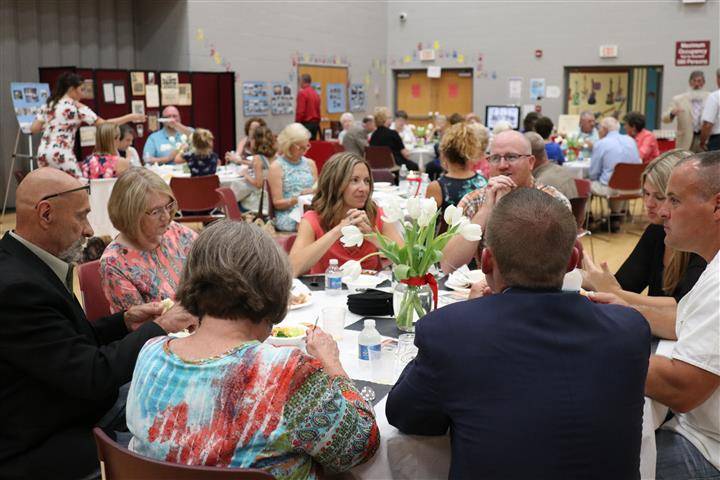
691, 53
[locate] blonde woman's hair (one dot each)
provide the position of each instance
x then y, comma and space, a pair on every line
128, 200
483, 136
290, 135
202, 142
459, 144
334, 179
105, 135
657, 174
381, 115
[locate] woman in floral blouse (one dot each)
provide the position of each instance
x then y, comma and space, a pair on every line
221, 397
105, 161
143, 264
59, 121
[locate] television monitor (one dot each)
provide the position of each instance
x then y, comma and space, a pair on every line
508, 113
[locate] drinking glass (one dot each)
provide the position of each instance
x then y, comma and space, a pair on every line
333, 318
406, 350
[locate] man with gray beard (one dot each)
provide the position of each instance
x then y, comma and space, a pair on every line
60, 373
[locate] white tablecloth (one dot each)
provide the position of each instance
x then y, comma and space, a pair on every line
422, 155
578, 168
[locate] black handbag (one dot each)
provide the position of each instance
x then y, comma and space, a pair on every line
371, 303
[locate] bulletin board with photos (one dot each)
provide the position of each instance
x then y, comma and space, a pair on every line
116, 92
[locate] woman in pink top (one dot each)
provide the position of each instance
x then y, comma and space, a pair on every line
344, 197
105, 161
146, 259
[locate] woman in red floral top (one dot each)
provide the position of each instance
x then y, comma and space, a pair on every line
105, 161
59, 121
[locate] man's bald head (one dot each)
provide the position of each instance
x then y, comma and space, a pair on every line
171, 112
515, 138
38, 184
57, 224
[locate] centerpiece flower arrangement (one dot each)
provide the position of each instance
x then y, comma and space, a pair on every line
416, 293
571, 145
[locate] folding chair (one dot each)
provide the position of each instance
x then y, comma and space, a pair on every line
93, 296
197, 198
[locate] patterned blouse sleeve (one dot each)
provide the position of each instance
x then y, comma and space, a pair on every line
120, 291
42, 114
186, 237
86, 115
331, 422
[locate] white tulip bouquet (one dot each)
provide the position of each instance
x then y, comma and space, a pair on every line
422, 249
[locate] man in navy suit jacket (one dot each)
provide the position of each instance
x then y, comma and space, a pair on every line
531, 381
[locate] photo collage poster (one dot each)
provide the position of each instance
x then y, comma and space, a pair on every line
281, 100
27, 99
357, 97
335, 97
255, 99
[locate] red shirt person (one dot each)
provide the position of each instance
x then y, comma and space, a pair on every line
646, 142
307, 110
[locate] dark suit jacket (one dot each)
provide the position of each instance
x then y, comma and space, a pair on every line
531, 384
58, 372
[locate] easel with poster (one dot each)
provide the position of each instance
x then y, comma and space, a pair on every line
27, 99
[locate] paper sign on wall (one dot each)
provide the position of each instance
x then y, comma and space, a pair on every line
255, 99
152, 96
109, 92
169, 88
184, 94
281, 99
552, 91
119, 94
453, 90
415, 90
434, 71
335, 97
152, 121
568, 124
537, 88
137, 83
88, 89
138, 107
515, 87
357, 97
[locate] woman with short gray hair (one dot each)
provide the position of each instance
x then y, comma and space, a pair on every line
221, 397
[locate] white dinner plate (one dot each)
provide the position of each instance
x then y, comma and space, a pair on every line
302, 305
383, 184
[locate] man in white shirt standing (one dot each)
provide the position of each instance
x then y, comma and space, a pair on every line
710, 135
687, 108
688, 446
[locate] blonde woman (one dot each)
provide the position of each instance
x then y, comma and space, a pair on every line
201, 159
291, 175
344, 197
105, 161
483, 137
668, 274
458, 148
144, 262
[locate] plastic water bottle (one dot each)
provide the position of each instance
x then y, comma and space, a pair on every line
333, 278
424, 183
402, 176
369, 349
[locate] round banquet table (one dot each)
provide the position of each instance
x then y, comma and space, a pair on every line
578, 168
422, 155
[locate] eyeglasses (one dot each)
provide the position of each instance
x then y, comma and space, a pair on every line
156, 212
53, 195
509, 158
303, 148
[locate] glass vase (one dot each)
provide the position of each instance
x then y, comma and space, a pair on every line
409, 304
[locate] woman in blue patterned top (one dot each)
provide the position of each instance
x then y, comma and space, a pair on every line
201, 159
291, 175
458, 148
221, 397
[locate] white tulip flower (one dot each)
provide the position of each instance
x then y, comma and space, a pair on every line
453, 215
351, 236
428, 208
472, 232
183, 138
351, 269
413, 207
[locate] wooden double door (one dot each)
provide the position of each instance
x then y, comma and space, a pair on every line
421, 96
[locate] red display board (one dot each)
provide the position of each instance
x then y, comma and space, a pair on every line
213, 102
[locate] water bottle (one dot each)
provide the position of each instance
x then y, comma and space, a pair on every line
402, 176
369, 343
333, 278
424, 183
